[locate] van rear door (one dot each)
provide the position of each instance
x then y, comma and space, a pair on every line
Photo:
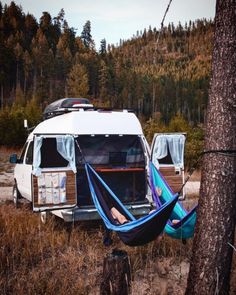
167, 154
54, 173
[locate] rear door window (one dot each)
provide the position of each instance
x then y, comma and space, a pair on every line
50, 157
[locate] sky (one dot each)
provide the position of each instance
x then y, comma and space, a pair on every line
119, 19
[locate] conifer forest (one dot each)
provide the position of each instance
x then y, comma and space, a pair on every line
42, 61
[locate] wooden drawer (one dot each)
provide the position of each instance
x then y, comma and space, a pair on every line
44, 195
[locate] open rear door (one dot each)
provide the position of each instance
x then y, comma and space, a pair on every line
53, 190
167, 154
54, 173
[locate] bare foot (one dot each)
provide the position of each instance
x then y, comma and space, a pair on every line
159, 191
175, 221
118, 216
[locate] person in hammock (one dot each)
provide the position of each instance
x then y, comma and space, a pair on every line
159, 193
115, 213
118, 216
121, 219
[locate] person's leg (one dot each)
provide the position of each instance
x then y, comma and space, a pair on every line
117, 215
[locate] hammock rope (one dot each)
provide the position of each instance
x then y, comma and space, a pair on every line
221, 152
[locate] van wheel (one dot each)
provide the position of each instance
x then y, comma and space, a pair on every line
16, 195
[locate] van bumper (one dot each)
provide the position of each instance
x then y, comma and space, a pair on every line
80, 214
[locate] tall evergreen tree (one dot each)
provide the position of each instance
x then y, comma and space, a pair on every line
77, 81
103, 47
86, 36
103, 82
214, 236
28, 63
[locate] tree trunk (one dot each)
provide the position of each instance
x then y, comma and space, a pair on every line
212, 255
1, 96
116, 274
35, 82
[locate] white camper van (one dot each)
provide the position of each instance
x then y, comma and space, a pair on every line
50, 171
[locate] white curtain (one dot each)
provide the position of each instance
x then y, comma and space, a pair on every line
38, 140
175, 143
66, 148
160, 150
176, 148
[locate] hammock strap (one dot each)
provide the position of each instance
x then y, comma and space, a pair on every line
222, 152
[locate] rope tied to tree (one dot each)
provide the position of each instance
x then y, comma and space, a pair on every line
222, 152
162, 22
162, 26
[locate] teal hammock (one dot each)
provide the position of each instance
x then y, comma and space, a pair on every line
184, 228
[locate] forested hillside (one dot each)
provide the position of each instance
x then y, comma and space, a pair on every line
41, 61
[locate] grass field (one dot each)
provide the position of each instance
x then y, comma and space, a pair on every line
39, 259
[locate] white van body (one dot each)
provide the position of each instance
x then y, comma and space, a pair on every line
111, 141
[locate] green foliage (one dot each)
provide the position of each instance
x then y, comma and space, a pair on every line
77, 81
20, 99
46, 61
32, 113
86, 36
170, 77
151, 127
12, 131
179, 124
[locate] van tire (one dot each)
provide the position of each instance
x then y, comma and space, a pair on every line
16, 195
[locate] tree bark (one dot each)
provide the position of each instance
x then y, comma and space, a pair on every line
212, 255
1, 96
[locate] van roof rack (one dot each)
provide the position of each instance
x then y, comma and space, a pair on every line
66, 105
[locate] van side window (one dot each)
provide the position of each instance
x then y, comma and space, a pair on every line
29, 154
23, 153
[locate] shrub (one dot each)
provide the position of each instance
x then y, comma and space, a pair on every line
12, 131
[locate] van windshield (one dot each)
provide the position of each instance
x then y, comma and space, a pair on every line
112, 150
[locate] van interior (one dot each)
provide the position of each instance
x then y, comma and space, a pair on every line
118, 159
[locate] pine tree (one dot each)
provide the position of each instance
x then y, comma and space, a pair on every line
28, 66
86, 36
20, 99
77, 81
103, 82
215, 228
103, 47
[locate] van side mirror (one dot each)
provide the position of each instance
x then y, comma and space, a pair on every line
13, 159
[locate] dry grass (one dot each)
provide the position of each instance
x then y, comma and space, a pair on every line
37, 259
